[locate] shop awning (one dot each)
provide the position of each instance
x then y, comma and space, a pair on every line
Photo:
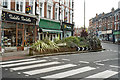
52, 31
118, 32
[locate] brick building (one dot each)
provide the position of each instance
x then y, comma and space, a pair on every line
106, 26
25, 21
77, 31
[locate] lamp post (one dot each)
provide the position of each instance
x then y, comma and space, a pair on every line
84, 14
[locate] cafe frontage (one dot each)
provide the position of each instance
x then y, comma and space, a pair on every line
67, 29
18, 29
49, 29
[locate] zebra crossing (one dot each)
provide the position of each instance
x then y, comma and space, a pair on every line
34, 66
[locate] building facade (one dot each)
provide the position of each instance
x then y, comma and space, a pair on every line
106, 26
25, 21
77, 31
58, 14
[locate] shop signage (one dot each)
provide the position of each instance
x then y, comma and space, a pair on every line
104, 32
109, 31
17, 18
68, 27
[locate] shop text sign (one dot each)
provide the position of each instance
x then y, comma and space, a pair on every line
18, 18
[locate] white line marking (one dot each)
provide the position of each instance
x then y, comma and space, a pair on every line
70, 73
115, 51
106, 60
11, 65
55, 58
66, 59
99, 64
102, 51
104, 74
39, 71
7, 62
33, 66
114, 66
84, 62
45, 57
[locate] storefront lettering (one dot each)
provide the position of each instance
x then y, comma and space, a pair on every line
27, 19
14, 17
17, 18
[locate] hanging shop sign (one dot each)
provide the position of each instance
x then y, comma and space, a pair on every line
28, 9
17, 18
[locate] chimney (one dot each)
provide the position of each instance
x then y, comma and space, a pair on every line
119, 4
112, 10
96, 15
103, 14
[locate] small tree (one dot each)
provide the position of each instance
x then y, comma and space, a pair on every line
84, 33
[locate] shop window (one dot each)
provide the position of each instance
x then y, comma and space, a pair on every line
5, 3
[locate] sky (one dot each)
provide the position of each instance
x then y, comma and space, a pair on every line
92, 7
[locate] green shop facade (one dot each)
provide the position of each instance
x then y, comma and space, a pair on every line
116, 33
49, 29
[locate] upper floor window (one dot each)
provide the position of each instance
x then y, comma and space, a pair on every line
5, 3
56, 13
41, 8
19, 5
61, 14
49, 11
31, 3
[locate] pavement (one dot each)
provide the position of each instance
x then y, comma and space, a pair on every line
14, 55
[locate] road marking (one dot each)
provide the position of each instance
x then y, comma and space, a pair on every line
100, 64
11, 65
34, 66
111, 50
114, 66
84, 62
106, 60
7, 62
70, 73
46, 57
55, 58
39, 71
115, 51
104, 74
66, 59
102, 51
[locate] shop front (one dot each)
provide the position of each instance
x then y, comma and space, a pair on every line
67, 29
117, 35
18, 29
49, 29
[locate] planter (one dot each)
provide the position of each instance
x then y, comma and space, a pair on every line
20, 48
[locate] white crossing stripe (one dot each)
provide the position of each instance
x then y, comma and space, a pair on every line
84, 62
33, 66
66, 59
11, 65
70, 73
104, 74
39, 71
7, 62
